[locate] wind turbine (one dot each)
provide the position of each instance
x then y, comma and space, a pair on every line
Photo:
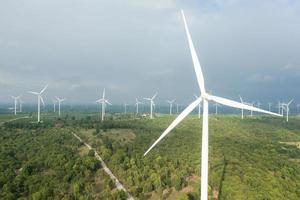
249, 104
21, 104
59, 100
16, 98
152, 104
137, 102
204, 98
199, 107
54, 105
40, 99
177, 105
171, 105
103, 101
216, 106
125, 107
287, 109
270, 104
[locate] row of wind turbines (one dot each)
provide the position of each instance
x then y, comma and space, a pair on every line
40, 99
17, 99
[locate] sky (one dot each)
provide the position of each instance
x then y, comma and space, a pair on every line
135, 48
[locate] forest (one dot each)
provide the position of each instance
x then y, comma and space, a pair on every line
254, 158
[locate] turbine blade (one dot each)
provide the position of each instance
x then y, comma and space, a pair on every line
35, 93
43, 90
196, 62
42, 100
106, 101
147, 99
290, 102
241, 98
180, 117
154, 96
239, 105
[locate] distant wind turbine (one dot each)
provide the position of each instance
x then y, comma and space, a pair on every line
249, 104
54, 105
171, 105
177, 105
125, 107
59, 100
103, 101
21, 104
137, 102
216, 107
15, 98
199, 107
287, 108
205, 98
40, 99
152, 104
270, 104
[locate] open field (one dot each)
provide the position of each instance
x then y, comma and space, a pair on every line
254, 158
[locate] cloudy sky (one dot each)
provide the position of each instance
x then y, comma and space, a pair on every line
134, 48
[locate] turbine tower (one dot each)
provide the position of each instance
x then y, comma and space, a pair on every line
286, 107
103, 102
16, 102
216, 107
125, 107
204, 98
21, 105
199, 107
171, 105
54, 105
270, 104
249, 104
137, 102
59, 100
152, 104
40, 99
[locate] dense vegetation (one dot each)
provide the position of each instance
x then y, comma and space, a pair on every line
37, 162
255, 158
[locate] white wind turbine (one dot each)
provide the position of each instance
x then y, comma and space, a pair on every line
125, 107
15, 98
152, 104
137, 102
270, 104
103, 102
177, 105
287, 108
199, 107
54, 105
216, 108
171, 105
59, 100
40, 99
249, 104
21, 104
205, 98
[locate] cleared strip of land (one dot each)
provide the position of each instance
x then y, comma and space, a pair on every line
119, 186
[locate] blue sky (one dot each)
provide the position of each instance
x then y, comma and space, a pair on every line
135, 48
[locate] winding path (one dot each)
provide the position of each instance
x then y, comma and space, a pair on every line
106, 169
11, 120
